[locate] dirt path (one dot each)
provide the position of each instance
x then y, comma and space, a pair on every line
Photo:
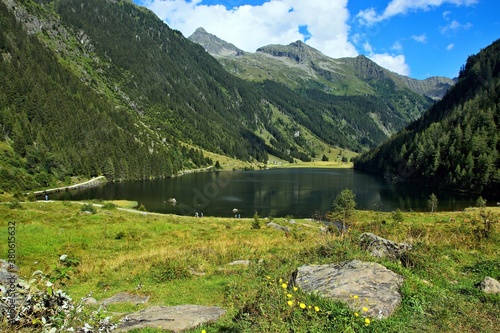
92, 182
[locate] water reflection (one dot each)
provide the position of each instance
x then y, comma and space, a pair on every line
279, 192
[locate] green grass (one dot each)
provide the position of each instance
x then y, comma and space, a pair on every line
118, 250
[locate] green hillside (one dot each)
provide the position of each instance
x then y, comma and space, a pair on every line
395, 100
456, 143
106, 88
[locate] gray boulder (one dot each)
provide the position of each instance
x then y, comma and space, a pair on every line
383, 248
358, 284
278, 227
8, 267
490, 286
124, 297
172, 318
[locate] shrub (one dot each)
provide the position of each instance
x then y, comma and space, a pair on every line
256, 221
142, 208
15, 204
109, 206
88, 208
397, 216
44, 307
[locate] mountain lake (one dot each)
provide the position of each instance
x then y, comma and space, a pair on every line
297, 192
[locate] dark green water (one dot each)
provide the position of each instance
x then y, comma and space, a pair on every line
277, 193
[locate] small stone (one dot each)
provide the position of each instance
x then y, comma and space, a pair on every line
90, 301
63, 257
490, 286
240, 262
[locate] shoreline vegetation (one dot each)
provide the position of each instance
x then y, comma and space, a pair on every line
185, 260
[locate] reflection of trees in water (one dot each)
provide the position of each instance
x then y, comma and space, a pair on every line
277, 193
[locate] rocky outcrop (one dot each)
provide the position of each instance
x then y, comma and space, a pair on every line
172, 318
367, 287
490, 286
383, 248
125, 298
278, 227
214, 45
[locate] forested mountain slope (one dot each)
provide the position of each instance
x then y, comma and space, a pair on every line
382, 98
456, 143
93, 87
54, 126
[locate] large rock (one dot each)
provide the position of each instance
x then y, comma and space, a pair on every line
490, 286
172, 318
355, 283
124, 297
383, 248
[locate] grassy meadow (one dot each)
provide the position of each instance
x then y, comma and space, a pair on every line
184, 260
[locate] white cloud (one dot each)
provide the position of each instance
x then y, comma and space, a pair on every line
397, 46
399, 7
367, 47
420, 38
455, 26
393, 63
450, 47
273, 22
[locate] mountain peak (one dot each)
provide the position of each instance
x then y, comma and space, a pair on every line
214, 45
297, 51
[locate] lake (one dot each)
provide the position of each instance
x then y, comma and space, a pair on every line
275, 192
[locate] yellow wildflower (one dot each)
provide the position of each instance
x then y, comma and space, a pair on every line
284, 285
290, 303
281, 280
367, 321
203, 331
316, 309
302, 305
356, 314
355, 296
268, 277
295, 288
365, 309
289, 295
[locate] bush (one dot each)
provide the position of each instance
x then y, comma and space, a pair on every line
44, 307
15, 204
397, 216
142, 208
109, 206
256, 222
88, 208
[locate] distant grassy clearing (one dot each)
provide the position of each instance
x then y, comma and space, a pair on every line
125, 203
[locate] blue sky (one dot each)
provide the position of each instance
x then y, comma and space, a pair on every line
417, 38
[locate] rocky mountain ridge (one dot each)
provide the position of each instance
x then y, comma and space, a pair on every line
299, 59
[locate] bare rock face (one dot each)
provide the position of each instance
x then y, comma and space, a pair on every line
490, 286
369, 288
172, 318
383, 248
125, 298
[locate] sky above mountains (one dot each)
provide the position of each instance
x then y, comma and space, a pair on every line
417, 38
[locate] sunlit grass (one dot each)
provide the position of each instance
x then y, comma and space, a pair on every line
184, 260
